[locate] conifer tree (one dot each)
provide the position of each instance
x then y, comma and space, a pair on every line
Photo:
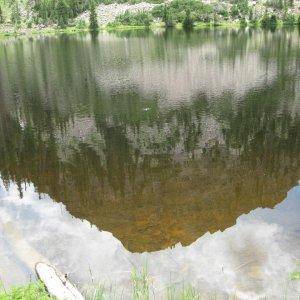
62, 13
1, 16
167, 18
188, 21
15, 14
93, 17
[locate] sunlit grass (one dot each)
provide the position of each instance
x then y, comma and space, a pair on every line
295, 276
185, 293
32, 291
140, 290
140, 284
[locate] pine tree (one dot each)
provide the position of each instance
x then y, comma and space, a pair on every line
188, 22
1, 16
93, 17
167, 17
15, 14
62, 13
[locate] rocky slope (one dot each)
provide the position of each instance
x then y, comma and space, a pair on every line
108, 13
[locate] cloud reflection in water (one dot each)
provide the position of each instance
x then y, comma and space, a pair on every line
251, 258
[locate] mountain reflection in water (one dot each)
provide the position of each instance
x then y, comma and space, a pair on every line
159, 138
252, 258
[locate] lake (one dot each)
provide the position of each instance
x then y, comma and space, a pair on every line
178, 151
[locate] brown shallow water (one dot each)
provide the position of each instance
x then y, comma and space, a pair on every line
162, 139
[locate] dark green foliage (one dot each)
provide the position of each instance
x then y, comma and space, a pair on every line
290, 20
216, 20
277, 4
81, 24
243, 22
1, 16
273, 21
221, 10
93, 17
134, 19
188, 22
167, 16
243, 7
62, 13
253, 20
178, 10
15, 14
240, 8
58, 11
187, 12
234, 12
269, 21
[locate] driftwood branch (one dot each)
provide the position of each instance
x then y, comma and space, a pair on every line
56, 283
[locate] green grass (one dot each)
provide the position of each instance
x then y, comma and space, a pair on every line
120, 27
140, 290
295, 276
140, 284
185, 293
32, 291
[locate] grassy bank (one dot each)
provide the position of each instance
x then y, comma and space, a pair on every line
32, 291
10, 32
20, 17
140, 290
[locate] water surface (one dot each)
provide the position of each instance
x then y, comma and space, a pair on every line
177, 148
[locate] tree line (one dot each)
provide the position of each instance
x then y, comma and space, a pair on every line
47, 12
185, 12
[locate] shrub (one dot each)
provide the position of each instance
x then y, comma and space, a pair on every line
269, 21
61, 13
29, 24
243, 7
277, 4
273, 21
221, 10
216, 20
167, 16
234, 11
134, 19
81, 24
289, 20
178, 10
243, 22
188, 21
240, 8
15, 14
253, 18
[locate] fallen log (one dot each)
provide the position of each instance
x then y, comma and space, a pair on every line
56, 283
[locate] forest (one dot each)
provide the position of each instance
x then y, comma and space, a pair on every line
61, 14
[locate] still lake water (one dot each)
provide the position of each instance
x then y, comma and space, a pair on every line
179, 151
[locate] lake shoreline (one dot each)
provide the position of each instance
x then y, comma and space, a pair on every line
10, 32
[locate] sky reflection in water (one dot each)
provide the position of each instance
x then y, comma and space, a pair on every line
253, 257
164, 148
